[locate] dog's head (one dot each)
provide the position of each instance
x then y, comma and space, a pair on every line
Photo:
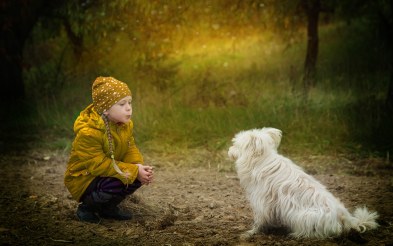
255, 143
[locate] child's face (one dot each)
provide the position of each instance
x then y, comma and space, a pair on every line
121, 111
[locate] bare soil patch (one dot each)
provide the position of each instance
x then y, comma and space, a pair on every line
186, 205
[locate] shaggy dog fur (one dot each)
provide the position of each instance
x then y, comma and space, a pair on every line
281, 194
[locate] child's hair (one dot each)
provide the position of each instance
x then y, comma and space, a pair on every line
111, 149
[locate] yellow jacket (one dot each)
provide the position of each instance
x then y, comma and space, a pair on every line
90, 156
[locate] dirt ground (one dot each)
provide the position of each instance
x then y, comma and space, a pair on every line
185, 205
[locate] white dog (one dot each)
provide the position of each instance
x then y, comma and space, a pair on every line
282, 194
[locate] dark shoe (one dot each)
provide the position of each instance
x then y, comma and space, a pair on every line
86, 213
113, 212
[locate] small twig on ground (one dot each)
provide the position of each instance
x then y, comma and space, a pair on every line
61, 240
231, 177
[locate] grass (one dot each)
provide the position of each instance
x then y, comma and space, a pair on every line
222, 87
306, 129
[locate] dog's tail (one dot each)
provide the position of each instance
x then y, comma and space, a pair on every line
364, 220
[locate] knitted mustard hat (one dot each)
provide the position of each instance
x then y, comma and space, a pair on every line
106, 91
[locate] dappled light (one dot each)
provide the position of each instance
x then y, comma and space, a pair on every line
199, 72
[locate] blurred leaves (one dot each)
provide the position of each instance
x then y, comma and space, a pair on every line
195, 52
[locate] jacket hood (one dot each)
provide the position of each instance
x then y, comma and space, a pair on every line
89, 118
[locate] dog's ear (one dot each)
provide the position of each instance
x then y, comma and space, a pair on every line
255, 143
275, 134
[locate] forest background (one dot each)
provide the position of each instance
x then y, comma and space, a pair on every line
200, 71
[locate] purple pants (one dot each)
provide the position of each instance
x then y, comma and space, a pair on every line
104, 189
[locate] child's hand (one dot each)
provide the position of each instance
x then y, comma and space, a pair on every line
145, 174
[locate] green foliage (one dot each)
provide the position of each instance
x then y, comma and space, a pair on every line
198, 81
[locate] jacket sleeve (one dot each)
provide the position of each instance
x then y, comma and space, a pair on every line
89, 149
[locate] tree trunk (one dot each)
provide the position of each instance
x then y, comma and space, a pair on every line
312, 9
12, 88
18, 18
389, 97
388, 24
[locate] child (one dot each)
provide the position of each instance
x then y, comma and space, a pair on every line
105, 165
